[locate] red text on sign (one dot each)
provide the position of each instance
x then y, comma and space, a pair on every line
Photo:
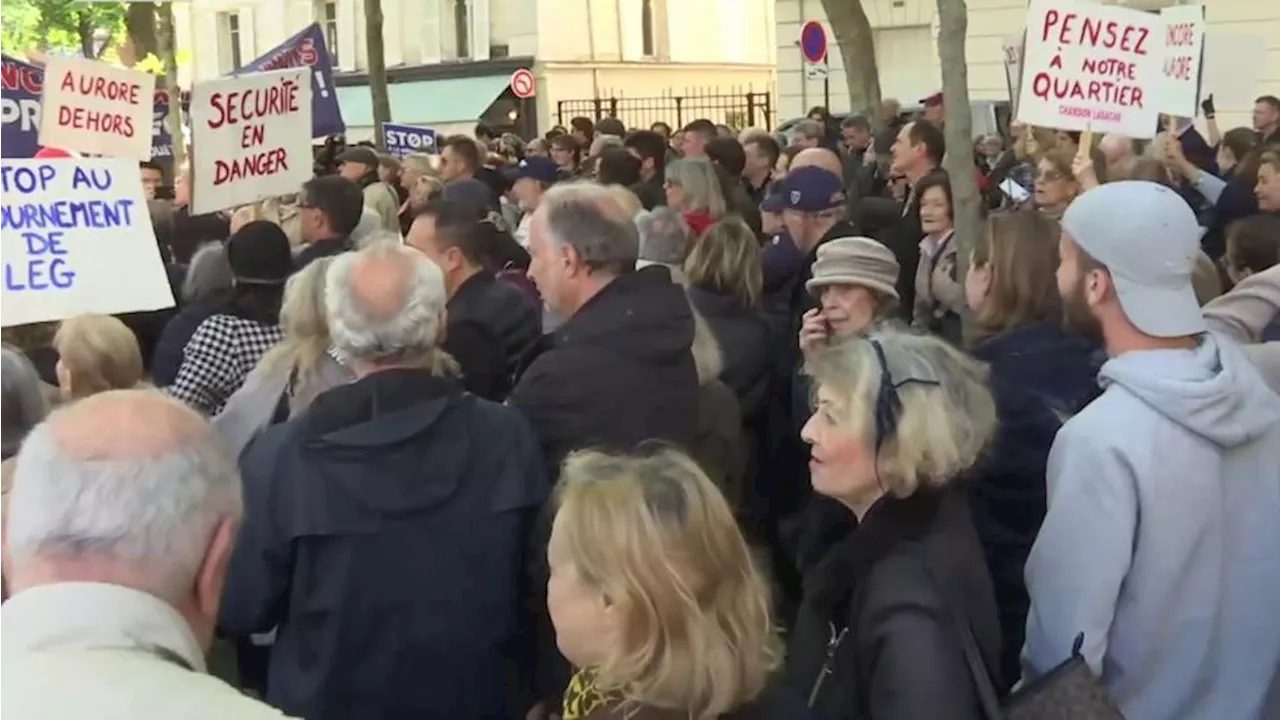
1106, 92
1069, 28
100, 87
1179, 68
260, 164
252, 136
244, 105
79, 118
1180, 35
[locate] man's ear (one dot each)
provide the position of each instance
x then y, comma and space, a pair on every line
212, 576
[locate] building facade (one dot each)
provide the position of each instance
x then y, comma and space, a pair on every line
1242, 33
449, 62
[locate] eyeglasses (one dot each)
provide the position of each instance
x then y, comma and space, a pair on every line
1050, 175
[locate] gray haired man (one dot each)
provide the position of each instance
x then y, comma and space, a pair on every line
120, 528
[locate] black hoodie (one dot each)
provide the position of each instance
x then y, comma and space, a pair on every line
619, 372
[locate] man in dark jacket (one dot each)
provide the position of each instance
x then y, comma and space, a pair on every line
385, 528
917, 152
329, 208
620, 369
651, 149
495, 319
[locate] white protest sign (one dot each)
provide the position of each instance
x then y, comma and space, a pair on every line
1183, 46
96, 108
1091, 67
76, 238
250, 138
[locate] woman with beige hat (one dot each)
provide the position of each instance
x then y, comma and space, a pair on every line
854, 280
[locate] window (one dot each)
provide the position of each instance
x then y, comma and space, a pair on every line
331, 30
462, 27
229, 57
646, 28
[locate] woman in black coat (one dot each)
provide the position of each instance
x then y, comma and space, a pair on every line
886, 612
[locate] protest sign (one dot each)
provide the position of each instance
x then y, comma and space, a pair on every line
249, 138
1183, 47
1013, 47
76, 237
95, 108
1234, 62
1091, 66
400, 140
22, 84
307, 49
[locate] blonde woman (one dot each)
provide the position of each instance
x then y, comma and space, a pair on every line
654, 595
292, 373
694, 188
96, 353
898, 419
725, 282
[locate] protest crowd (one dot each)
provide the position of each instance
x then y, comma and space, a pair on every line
666, 422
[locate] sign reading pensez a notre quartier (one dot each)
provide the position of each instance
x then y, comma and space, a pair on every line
76, 238
250, 138
1092, 67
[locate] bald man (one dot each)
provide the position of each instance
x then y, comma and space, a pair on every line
1117, 149
825, 158
385, 528
121, 523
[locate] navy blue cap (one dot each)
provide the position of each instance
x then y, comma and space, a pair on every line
536, 168
774, 201
811, 189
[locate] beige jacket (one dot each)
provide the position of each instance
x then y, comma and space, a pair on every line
940, 297
1244, 312
382, 199
108, 652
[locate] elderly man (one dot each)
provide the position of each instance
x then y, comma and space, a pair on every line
122, 517
664, 240
385, 527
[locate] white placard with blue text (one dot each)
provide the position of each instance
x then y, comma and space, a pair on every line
250, 138
401, 140
76, 238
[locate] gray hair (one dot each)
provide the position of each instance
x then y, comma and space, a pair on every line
22, 404
208, 273
810, 129
421, 162
588, 218
379, 235
157, 509
698, 177
664, 236
359, 332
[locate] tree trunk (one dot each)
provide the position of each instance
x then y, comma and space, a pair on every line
84, 28
853, 35
140, 24
953, 22
377, 68
168, 54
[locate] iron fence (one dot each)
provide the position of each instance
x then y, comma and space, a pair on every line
737, 108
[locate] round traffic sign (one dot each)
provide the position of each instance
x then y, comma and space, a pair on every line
522, 84
813, 41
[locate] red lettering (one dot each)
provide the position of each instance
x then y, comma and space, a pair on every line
78, 118
263, 164
1094, 32
247, 105
252, 136
15, 76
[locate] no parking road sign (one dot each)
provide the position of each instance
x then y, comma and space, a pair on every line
813, 42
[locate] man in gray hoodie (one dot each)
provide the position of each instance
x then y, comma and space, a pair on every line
1161, 540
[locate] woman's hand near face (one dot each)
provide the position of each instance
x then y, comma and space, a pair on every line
813, 332
1082, 169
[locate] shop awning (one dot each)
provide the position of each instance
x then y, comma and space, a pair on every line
426, 101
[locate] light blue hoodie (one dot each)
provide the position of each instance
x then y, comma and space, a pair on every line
1162, 540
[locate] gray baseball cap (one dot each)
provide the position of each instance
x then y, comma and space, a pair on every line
1149, 240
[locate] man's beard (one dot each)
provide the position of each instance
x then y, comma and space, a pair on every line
1076, 315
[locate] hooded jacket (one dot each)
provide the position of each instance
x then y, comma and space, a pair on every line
1161, 537
619, 371
384, 534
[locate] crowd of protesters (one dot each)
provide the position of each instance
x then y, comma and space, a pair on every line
670, 423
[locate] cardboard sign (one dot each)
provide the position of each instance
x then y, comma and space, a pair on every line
1184, 28
1093, 67
95, 108
1013, 47
1233, 65
251, 138
76, 238
400, 140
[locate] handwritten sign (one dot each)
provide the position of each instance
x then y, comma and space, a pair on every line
1183, 46
1013, 47
95, 108
1091, 66
76, 238
251, 138
400, 140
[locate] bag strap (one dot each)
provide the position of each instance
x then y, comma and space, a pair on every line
978, 673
